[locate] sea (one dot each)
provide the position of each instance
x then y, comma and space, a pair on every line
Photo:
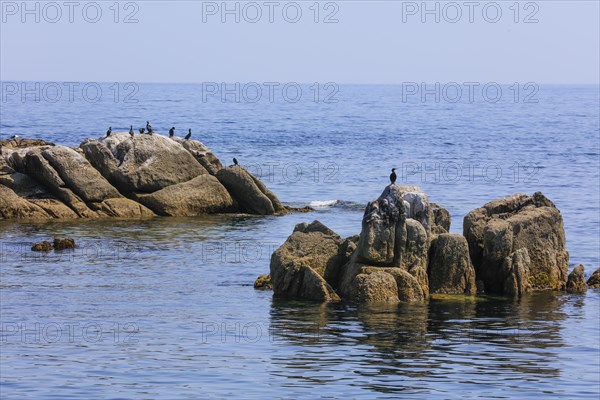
165, 308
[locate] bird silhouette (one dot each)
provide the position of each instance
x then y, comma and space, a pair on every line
235, 161
189, 135
393, 176
109, 131
142, 130
149, 128
131, 130
172, 132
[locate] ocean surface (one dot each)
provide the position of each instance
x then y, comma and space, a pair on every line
165, 307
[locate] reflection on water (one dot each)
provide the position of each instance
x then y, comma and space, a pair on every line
449, 344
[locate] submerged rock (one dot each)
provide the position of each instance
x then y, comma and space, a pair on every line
42, 246
501, 227
594, 281
263, 282
64, 243
576, 280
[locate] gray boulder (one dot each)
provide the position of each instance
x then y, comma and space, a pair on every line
201, 195
142, 164
450, 269
501, 227
202, 154
298, 266
251, 194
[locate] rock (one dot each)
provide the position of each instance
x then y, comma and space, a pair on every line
441, 220
450, 269
576, 281
42, 246
501, 227
14, 207
358, 286
142, 164
65, 176
64, 243
252, 196
594, 281
376, 287
516, 270
23, 143
79, 175
263, 282
201, 195
202, 154
298, 266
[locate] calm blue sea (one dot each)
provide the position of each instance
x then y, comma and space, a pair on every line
165, 308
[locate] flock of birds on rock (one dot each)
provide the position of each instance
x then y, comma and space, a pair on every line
149, 131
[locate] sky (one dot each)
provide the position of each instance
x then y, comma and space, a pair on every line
371, 42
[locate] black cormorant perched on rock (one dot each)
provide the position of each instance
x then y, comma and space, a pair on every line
141, 130
172, 132
131, 131
109, 131
235, 162
393, 176
149, 128
189, 135
14, 137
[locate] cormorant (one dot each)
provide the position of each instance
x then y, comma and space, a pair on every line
235, 162
131, 131
393, 176
172, 132
14, 137
109, 131
141, 130
189, 135
149, 128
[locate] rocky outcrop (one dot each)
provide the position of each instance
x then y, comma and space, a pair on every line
251, 194
298, 266
121, 176
594, 281
404, 252
576, 280
450, 269
501, 227
62, 183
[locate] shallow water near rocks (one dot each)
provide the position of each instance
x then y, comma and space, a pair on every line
165, 308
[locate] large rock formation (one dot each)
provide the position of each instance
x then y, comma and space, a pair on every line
387, 262
501, 227
121, 176
404, 252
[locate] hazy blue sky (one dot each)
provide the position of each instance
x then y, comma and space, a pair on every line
370, 43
